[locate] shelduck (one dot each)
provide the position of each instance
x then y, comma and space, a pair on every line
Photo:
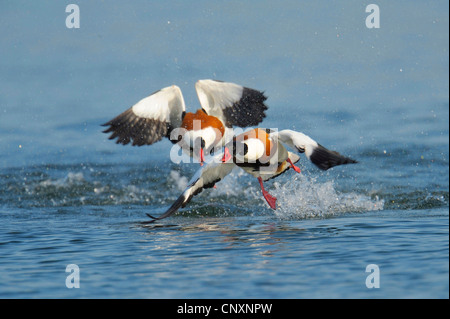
262, 153
163, 114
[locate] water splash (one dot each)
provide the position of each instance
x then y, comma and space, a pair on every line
233, 185
304, 197
299, 196
180, 182
75, 189
70, 180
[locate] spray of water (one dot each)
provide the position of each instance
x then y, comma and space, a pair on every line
304, 197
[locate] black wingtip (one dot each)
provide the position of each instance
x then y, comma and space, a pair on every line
172, 209
326, 159
128, 127
248, 111
153, 219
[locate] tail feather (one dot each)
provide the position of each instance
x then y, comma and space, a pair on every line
325, 159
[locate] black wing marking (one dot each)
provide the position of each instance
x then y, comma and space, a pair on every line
128, 127
325, 159
248, 111
232, 103
149, 120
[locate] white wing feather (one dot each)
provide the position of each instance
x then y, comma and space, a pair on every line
233, 104
316, 153
215, 96
165, 105
296, 140
150, 119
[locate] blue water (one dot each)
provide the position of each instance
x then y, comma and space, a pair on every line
68, 195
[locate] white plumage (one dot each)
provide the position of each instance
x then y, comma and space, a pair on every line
216, 96
165, 105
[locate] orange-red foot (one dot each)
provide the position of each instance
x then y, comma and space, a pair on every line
293, 166
271, 200
226, 155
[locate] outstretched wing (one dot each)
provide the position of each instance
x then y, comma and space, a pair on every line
316, 153
233, 104
205, 177
149, 120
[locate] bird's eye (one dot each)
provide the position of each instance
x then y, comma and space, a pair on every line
202, 142
242, 149
300, 149
245, 148
234, 150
